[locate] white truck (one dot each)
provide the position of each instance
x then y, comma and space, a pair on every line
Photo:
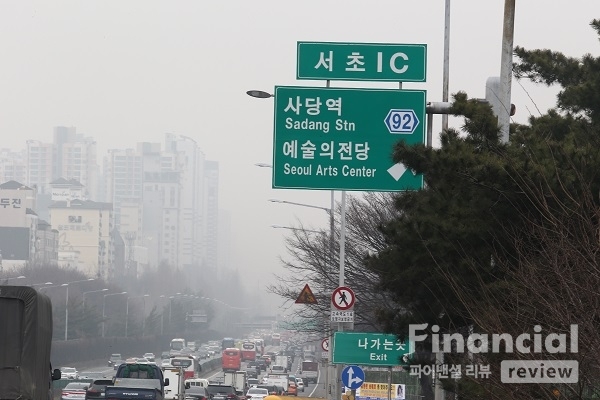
237, 379
281, 360
176, 382
281, 380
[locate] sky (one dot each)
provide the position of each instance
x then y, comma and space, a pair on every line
126, 71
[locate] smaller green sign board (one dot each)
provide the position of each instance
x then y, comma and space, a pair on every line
368, 349
362, 61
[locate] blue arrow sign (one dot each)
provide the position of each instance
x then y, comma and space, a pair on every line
401, 121
353, 377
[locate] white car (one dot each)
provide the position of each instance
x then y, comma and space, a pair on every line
69, 373
257, 393
300, 384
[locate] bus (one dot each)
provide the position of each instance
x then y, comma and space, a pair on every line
188, 363
275, 339
176, 346
227, 343
248, 351
231, 359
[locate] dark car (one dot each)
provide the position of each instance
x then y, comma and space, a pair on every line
262, 364
196, 393
221, 392
97, 388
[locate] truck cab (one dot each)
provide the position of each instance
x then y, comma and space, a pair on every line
135, 381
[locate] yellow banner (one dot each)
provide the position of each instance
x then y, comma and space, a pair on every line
380, 390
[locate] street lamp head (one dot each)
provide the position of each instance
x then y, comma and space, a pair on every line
259, 94
276, 201
263, 165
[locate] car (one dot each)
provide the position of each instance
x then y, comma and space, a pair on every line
69, 373
91, 375
256, 393
143, 361
221, 392
280, 390
196, 393
272, 389
262, 364
165, 354
115, 359
74, 391
202, 354
300, 384
165, 362
97, 389
292, 389
149, 356
267, 360
252, 382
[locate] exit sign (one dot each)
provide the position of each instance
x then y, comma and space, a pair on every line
368, 349
361, 61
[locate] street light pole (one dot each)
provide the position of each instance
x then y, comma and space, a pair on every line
91, 291
104, 308
127, 312
67, 305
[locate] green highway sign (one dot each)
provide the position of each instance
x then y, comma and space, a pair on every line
368, 349
361, 61
343, 138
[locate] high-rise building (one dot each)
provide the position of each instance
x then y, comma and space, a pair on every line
85, 240
13, 166
40, 161
211, 215
123, 171
189, 161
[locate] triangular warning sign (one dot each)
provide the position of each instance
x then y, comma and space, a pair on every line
306, 296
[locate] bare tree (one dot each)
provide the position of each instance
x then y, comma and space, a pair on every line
311, 259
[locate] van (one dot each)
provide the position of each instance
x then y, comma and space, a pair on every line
196, 382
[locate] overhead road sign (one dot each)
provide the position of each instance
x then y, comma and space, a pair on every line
353, 377
361, 61
368, 349
343, 138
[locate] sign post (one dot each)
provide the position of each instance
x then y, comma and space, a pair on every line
343, 138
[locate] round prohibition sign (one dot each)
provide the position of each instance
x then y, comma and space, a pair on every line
325, 344
343, 298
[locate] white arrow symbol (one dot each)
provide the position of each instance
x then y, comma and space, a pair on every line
397, 170
351, 378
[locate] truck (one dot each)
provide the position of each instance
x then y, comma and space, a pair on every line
25, 343
309, 371
176, 382
135, 381
237, 379
281, 380
281, 360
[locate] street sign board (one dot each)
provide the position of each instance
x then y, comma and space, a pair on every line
325, 344
342, 316
353, 377
306, 296
343, 138
361, 61
368, 349
343, 298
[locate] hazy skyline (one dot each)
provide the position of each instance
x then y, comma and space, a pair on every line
124, 72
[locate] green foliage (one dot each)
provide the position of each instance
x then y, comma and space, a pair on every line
490, 209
